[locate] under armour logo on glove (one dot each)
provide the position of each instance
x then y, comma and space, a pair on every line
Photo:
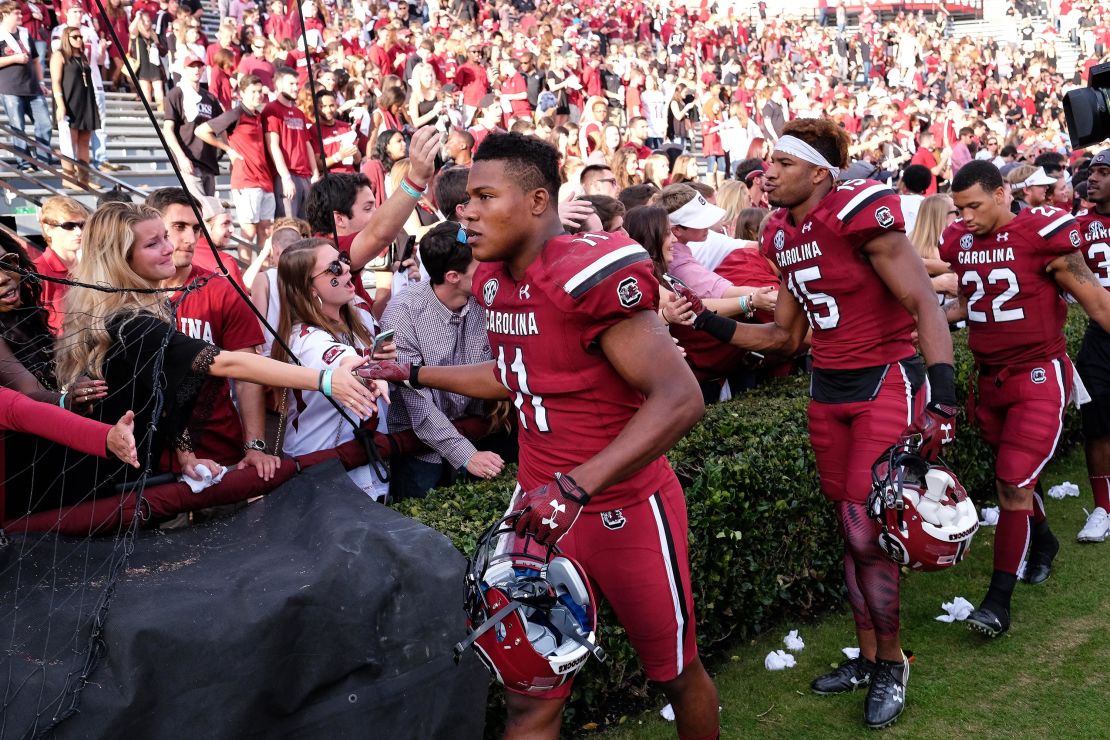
390, 371
549, 511
937, 428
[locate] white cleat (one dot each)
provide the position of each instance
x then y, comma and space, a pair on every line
1097, 527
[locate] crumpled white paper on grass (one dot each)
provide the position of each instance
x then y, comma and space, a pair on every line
956, 610
1067, 488
794, 641
988, 516
777, 660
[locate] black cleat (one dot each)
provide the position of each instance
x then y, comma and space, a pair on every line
886, 697
989, 621
1038, 566
848, 676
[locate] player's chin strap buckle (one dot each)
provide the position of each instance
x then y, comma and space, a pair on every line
486, 626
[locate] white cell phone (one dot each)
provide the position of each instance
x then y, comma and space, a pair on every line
380, 341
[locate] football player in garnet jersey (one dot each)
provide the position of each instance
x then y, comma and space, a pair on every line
851, 272
1093, 360
1011, 271
601, 393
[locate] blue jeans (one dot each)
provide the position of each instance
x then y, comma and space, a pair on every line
413, 478
21, 107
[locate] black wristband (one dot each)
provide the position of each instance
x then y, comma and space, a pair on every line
414, 377
942, 383
716, 326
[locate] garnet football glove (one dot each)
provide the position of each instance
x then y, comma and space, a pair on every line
549, 511
401, 373
695, 302
937, 428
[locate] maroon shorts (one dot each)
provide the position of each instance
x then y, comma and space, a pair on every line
637, 557
847, 438
1020, 412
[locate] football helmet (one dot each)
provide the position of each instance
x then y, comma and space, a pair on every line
927, 518
530, 611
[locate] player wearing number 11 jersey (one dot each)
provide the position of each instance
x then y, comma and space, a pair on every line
601, 393
854, 278
1011, 270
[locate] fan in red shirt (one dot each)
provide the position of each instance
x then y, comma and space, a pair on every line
615, 373
340, 152
849, 273
1013, 272
289, 145
63, 227
220, 435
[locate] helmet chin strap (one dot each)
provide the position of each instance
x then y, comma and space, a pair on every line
486, 626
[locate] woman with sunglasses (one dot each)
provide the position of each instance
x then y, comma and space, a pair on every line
125, 337
74, 101
325, 324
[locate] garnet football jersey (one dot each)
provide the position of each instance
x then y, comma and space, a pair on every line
216, 314
1094, 229
857, 322
1015, 312
543, 332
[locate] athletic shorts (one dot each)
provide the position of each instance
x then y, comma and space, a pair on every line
253, 205
637, 557
1020, 412
847, 438
1093, 364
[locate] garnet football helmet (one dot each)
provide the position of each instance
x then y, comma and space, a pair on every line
530, 610
927, 518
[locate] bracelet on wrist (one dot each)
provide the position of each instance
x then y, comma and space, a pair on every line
411, 191
325, 382
412, 184
62, 399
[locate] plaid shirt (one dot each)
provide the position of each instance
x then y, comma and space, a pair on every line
428, 332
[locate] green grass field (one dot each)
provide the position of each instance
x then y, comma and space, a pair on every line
1049, 677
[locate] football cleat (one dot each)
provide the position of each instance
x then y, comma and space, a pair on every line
989, 621
848, 676
1097, 527
886, 697
1038, 565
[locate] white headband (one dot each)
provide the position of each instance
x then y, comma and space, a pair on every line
795, 147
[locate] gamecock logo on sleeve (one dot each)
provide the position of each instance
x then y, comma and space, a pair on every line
628, 292
884, 217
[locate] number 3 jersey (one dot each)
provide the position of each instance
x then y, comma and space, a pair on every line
544, 332
1015, 312
1094, 229
857, 322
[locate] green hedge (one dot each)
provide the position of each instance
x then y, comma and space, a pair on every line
763, 541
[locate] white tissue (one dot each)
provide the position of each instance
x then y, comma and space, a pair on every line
1067, 488
667, 713
990, 516
793, 641
777, 660
206, 478
957, 610
852, 653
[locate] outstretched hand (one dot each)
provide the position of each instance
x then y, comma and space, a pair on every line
423, 148
121, 440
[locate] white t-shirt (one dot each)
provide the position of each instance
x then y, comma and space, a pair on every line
312, 423
911, 204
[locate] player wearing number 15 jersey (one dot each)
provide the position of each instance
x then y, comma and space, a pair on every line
848, 268
1093, 360
601, 393
1011, 270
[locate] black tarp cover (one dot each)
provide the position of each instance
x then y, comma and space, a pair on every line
314, 613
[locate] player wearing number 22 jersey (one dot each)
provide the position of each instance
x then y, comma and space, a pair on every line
1011, 272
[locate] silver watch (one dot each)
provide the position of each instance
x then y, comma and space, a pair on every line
255, 444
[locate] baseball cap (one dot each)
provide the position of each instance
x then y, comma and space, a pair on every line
1102, 159
697, 213
1038, 178
210, 207
748, 178
192, 60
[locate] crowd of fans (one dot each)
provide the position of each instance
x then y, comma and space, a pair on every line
346, 191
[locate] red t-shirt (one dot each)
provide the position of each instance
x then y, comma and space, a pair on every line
291, 126
252, 65
254, 170
50, 265
204, 259
210, 54
1015, 313
519, 108
216, 314
572, 403
335, 135
857, 322
473, 81
925, 158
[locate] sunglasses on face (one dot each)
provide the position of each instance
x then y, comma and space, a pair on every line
68, 225
335, 267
